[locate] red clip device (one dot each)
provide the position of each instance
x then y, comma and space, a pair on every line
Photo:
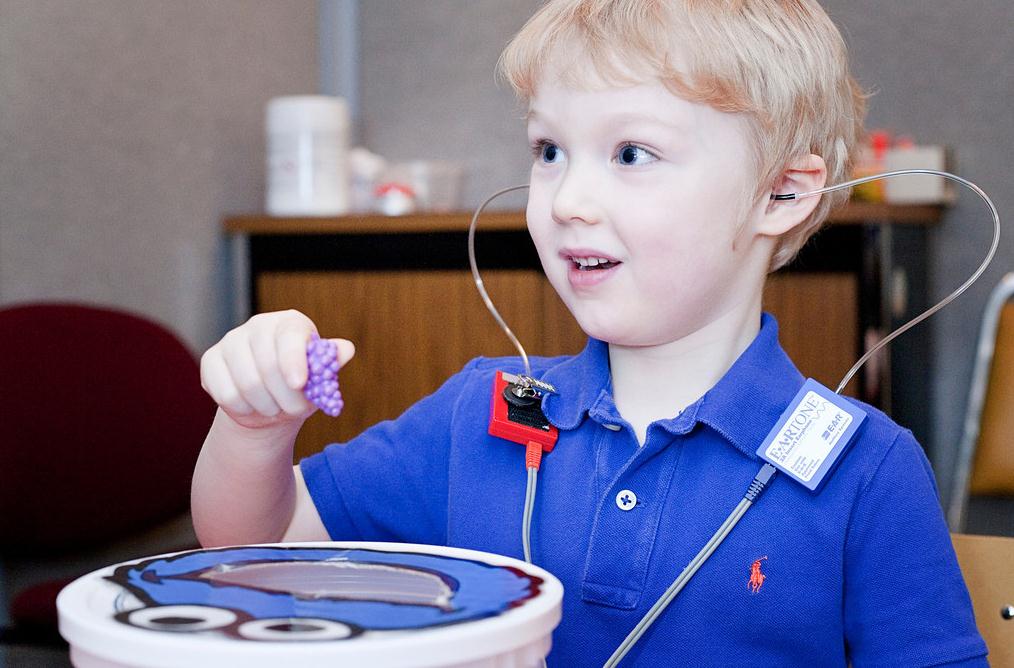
518, 428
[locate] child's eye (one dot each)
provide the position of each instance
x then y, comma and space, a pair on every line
632, 154
546, 151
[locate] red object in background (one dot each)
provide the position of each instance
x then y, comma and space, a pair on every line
103, 418
880, 140
502, 426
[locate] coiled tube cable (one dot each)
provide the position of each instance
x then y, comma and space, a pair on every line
767, 472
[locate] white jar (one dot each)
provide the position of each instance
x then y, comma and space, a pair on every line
307, 155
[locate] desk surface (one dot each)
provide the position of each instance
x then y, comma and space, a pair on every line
854, 213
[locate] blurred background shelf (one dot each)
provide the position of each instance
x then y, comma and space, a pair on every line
856, 213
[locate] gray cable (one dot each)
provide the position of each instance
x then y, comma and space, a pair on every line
526, 518
674, 589
730, 522
688, 572
533, 473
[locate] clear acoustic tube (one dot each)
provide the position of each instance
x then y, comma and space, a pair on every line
478, 279
787, 197
946, 300
767, 471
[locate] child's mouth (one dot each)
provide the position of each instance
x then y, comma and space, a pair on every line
592, 263
589, 271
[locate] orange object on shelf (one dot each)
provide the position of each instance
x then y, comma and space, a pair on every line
871, 161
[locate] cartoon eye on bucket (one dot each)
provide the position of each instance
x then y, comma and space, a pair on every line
179, 618
292, 628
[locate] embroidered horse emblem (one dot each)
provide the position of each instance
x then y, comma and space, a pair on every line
757, 578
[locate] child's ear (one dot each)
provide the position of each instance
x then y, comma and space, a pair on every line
802, 175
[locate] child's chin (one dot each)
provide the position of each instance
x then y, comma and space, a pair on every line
616, 333
612, 323
622, 334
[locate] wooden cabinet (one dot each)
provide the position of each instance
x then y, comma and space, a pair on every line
401, 290
412, 330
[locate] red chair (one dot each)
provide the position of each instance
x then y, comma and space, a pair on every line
103, 419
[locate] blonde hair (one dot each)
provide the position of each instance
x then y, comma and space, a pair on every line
781, 63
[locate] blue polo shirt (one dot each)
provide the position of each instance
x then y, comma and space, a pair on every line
861, 572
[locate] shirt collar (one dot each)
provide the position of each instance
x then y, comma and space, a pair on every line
579, 381
748, 400
742, 407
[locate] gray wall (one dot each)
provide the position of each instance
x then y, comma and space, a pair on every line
427, 88
127, 129
941, 71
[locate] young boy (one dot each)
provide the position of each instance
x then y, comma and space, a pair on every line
660, 129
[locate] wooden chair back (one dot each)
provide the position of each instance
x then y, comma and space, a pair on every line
993, 467
987, 562
985, 458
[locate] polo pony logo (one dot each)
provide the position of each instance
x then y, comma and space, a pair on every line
757, 578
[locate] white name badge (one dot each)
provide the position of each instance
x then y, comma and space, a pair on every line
811, 435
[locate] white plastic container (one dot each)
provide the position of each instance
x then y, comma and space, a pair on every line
382, 605
307, 139
918, 188
434, 185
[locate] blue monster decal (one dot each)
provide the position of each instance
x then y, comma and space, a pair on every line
314, 593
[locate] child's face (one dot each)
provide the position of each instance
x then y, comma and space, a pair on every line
657, 187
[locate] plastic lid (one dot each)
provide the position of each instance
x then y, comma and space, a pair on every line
306, 112
314, 604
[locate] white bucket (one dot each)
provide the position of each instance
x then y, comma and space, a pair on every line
379, 605
307, 139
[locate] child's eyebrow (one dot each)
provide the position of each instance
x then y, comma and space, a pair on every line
635, 118
630, 118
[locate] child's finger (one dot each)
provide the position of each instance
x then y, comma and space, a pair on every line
291, 350
217, 382
243, 369
346, 351
265, 355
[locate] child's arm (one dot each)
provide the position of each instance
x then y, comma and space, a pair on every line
905, 601
245, 488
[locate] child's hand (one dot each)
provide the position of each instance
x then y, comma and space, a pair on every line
256, 373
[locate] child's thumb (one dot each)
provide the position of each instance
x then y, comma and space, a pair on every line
346, 351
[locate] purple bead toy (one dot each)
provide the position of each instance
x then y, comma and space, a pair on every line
322, 386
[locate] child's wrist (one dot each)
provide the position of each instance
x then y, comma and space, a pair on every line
271, 431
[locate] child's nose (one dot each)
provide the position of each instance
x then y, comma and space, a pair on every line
576, 198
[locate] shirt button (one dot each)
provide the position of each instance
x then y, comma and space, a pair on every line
612, 427
626, 499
